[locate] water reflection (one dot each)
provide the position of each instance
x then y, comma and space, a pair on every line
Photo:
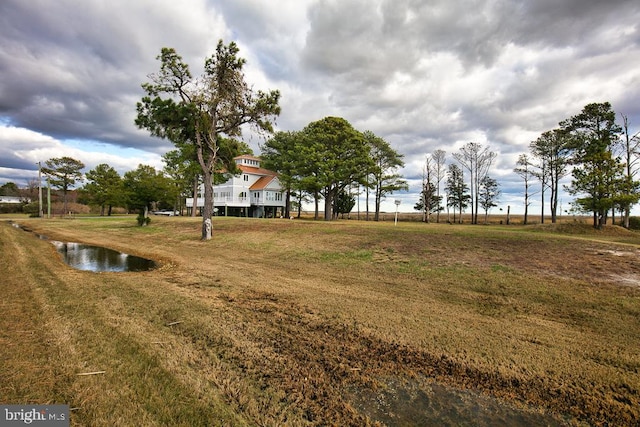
97, 258
410, 403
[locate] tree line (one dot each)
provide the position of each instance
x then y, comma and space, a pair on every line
601, 157
332, 161
480, 191
137, 190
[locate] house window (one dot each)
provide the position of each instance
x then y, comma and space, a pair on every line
279, 197
246, 177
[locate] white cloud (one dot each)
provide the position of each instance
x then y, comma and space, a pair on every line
423, 75
22, 149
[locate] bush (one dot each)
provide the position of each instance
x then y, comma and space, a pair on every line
142, 220
634, 223
10, 208
31, 209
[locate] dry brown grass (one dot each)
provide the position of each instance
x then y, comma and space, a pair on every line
307, 323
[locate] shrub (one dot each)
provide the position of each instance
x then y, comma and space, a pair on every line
634, 223
31, 209
142, 220
11, 208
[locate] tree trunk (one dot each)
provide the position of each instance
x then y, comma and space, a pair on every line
145, 215
194, 208
287, 204
367, 200
627, 213
64, 202
542, 205
358, 194
613, 216
424, 204
207, 210
554, 201
328, 204
438, 199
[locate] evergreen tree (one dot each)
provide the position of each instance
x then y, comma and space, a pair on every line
344, 202
205, 112
457, 190
597, 173
488, 193
384, 178
103, 188
282, 153
337, 156
63, 173
429, 197
144, 186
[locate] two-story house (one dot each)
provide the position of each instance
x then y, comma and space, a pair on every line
255, 192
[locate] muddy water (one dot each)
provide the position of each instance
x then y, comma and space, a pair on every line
98, 258
95, 258
407, 404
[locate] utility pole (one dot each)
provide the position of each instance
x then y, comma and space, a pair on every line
48, 199
40, 211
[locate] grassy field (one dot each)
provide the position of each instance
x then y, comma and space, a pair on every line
280, 322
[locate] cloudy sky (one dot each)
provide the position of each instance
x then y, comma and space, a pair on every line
424, 75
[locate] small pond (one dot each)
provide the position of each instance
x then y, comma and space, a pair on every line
95, 258
98, 258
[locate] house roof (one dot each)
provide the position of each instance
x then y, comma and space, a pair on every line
262, 182
256, 170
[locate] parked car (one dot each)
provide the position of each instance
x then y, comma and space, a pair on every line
167, 212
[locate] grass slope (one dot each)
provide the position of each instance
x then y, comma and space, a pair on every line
307, 323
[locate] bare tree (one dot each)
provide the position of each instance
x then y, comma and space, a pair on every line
631, 154
426, 185
524, 168
477, 160
551, 149
439, 171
